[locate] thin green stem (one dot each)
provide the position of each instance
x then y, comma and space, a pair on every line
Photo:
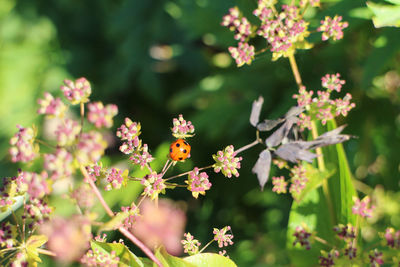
209, 243
45, 143
323, 241
185, 173
243, 148
82, 105
18, 226
295, 70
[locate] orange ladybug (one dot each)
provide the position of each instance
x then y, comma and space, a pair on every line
179, 150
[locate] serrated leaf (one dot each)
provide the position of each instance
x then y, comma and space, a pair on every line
115, 222
210, 260
293, 152
268, 125
171, 261
262, 167
126, 257
32, 244
256, 110
385, 15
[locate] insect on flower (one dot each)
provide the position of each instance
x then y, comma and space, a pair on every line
179, 150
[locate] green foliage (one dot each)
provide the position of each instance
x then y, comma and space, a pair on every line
127, 258
385, 15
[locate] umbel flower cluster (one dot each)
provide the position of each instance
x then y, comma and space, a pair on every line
73, 155
284, 30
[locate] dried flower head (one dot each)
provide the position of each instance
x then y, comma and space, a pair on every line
78, 91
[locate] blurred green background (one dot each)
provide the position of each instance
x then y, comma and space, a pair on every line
156, 59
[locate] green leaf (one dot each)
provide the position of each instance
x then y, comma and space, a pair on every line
171, 261
115, 222
385, 15
341, 186
316, 179
19, 200
127, 258
33, 243
210, 260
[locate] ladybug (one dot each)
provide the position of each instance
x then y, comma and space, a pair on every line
179, 150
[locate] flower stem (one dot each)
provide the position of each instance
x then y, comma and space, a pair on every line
295, 70
46, 252
209, 243
123, 230
243, 148
185, 173
82, 116
322, 241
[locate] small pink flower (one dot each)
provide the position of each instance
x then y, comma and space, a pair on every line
133, 216
332, 82
221, 236
304, 122
142, 156
153, 185
96, 258
94, 171
36, 184
163, 224
100, 115
67, 132
362, 207
114, 179
280, 186
8, 234
22, 145
324, 114
343, 106
299, 180
190, 245
304, 98
243, 54
129, 132
375, 258
38, 211
73, 233
59, 164
231, 20
198, 182
182, 128
302, 237
392, 238
243, 30
90, 148
345, 232
84, 196
226, 162
78, 91
51, 106
332, 28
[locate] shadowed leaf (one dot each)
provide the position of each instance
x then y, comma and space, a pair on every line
256, 110
262, 167
294, 152
276, 138
294, 112
268, 125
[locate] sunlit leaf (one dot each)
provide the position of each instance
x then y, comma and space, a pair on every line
126, 257
210, 260
171, 261
385, 15
115, 222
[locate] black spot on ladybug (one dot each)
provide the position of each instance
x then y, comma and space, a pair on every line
170, 150
178, 145
180, 158
184, 151
186, 143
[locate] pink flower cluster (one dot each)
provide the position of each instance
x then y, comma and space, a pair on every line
96, 258
198, 182
298, 180
376, 258
100, 115
322, 107
51, 106
392, 238
280, 186
84, 196
129, 133
36, 185
182, 128
190, 245
59, 164
38, 210
243, 54
7, 234
332, 28
78, 91
362, 207
22, 145
302, 237
90, 148
67, 132
226, 162
114, 179
328, 258
133, 216
221, 236
141, 156
153, 185
282, 31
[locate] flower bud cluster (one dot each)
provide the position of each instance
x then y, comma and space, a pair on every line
227, 162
